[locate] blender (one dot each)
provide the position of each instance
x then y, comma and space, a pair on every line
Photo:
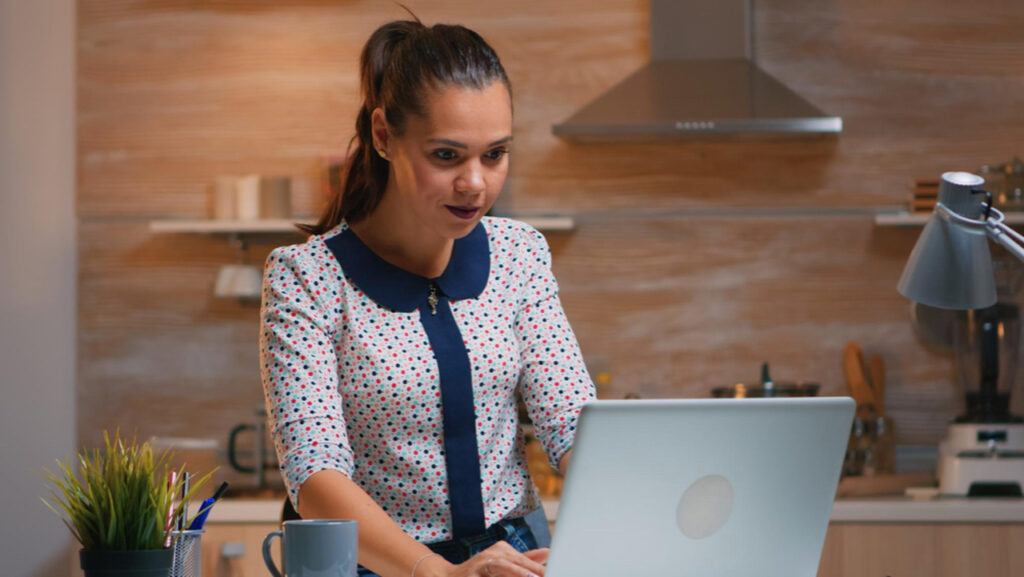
983, 452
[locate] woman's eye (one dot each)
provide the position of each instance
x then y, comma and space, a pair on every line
497, 153
444, 154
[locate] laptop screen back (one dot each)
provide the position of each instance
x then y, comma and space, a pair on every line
700, 487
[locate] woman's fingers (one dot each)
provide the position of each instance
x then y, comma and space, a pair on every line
520, 566
538, 555
502, 560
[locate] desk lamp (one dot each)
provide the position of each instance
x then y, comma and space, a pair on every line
951, 268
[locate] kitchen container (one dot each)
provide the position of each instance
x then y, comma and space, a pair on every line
247, 197
767, 387
871, 449
778, 389
275, 197
1006, 183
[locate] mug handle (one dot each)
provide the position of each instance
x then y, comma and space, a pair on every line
266, 553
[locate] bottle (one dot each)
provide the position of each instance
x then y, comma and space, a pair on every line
767, 386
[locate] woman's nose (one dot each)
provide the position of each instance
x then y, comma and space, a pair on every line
471, 179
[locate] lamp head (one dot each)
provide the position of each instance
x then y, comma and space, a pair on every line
951, 266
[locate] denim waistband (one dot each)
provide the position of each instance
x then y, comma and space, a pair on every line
515, 531
458, 550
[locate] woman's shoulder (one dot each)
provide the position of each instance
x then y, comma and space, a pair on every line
517, 245
511, 232
312, 252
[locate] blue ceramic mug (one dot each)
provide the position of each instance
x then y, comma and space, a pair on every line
315, 548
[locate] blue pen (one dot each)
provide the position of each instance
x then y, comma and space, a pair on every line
204, 509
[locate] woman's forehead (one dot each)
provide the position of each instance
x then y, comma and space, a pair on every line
485, 114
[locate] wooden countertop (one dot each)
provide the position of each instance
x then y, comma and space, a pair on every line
900, 509
860, 510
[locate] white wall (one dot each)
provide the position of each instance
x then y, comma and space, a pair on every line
37, 277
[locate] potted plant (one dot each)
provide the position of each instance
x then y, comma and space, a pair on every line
120, 507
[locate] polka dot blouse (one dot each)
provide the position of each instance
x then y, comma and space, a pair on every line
352, 385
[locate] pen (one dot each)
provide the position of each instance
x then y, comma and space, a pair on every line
171, 478
204, 509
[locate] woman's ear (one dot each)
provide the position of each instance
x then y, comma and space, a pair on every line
380, 131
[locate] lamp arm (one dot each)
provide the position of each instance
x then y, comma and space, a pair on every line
993, 225
1010, 239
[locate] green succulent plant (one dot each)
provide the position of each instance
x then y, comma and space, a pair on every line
121, 498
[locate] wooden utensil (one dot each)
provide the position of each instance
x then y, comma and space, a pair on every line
857, 380
877, 370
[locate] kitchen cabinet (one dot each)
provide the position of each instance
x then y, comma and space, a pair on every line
940, 537
922, 550
235, 549
867, 537
851, 550
233, 541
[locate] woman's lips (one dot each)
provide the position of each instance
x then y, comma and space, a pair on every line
463, 212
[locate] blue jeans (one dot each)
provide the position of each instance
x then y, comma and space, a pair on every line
513, 531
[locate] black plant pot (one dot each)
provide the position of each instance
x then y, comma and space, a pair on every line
144, 563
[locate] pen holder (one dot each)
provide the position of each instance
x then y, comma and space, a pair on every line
187, 553
870, 449
883, 445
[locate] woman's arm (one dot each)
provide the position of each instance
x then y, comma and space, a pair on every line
563, 463
385, 549
554, 381
383, 546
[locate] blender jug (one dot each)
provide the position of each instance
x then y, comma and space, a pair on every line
985, 345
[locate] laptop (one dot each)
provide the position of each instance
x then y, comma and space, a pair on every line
700, 487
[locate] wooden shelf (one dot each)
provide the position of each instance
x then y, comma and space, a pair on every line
919, 219
210, 226
546, 223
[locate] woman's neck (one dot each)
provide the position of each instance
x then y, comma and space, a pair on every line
394, 237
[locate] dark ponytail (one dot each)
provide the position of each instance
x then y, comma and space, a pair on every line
401, 61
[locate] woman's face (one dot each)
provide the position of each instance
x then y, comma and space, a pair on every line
449, 166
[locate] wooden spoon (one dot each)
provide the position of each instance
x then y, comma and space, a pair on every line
877, 369
857, 380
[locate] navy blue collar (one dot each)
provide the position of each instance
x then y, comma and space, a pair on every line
402, 291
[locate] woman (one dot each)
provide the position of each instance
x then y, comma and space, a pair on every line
395, 340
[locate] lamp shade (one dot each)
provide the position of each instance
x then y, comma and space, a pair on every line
951, 266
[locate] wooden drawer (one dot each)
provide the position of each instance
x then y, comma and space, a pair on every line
922, 550
233, 538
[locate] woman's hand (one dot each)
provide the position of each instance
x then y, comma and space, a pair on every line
502, 560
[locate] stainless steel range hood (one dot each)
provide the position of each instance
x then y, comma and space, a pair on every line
702, 80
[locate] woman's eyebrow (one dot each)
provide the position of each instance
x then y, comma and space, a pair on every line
457, 144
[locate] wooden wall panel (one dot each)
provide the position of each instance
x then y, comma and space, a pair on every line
693, 261
674, 307
157, 352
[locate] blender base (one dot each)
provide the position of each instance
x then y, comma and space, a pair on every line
982, 459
